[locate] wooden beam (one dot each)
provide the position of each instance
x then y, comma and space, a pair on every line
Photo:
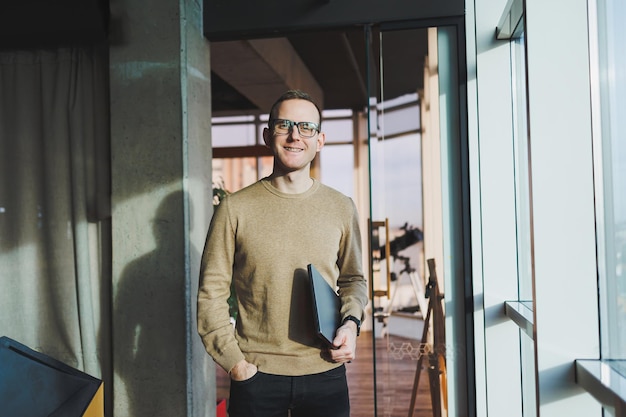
241, 151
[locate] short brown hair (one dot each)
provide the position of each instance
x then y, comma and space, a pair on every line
293, 95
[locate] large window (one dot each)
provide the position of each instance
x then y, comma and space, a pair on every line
611, 201
606, 379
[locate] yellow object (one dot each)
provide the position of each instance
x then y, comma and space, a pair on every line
96, 406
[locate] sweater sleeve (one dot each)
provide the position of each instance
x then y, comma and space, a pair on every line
214, 324
351, 280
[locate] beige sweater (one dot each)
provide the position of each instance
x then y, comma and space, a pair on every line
263, 239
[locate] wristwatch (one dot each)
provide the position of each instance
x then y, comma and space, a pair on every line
357, 321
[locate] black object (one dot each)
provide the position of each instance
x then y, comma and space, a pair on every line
411, 236
326, 306
356, 321
33, 384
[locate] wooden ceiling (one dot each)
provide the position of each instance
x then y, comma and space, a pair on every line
331, 65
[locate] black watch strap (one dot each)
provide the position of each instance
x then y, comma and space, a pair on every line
355, 320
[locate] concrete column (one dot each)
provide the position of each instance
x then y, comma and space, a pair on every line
161, 205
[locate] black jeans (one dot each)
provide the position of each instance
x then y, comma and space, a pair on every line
265, 395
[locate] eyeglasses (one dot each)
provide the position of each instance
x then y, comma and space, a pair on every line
284, 126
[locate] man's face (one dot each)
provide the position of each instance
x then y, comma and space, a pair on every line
293, 152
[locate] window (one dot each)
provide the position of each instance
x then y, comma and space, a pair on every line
337, 166
239, 156
523, 214
522, 163
511, 27
611, 202
605, 379
337, 157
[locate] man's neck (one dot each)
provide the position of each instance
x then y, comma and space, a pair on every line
293, 182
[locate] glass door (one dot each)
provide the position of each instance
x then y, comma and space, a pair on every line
408, 332
419, 228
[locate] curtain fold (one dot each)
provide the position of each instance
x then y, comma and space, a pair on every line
54, 202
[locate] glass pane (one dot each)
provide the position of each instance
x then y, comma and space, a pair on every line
337, 167
396, 203
266, 164
234, 173
262, 124
523, 214
397, 182
233, 135
338, 130
402, 118
529, 393
612, 75
522, 170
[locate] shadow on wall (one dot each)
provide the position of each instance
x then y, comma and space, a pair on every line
149, 320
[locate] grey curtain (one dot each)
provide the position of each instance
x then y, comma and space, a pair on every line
54, 204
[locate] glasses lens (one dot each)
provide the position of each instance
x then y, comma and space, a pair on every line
307, 129
282, 126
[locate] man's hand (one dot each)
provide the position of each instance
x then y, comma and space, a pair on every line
345, 343
243, 370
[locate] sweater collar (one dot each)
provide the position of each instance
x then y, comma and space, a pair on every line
269, 187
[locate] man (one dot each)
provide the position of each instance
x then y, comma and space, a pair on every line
261, 239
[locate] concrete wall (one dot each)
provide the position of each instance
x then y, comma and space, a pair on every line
161, 205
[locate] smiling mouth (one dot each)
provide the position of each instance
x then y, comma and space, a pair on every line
293, 149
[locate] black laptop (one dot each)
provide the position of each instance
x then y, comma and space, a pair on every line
326, 306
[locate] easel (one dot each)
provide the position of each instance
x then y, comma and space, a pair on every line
436, 358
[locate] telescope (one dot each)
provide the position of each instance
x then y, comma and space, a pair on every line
411, 236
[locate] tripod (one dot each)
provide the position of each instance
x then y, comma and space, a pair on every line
416, 283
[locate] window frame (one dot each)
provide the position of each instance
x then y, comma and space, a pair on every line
602, 378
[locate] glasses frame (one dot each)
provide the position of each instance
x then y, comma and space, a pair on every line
272, 125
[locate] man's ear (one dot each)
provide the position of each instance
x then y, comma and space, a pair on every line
321, 140
267, 137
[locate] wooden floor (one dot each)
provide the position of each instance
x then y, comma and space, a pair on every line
396, 363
